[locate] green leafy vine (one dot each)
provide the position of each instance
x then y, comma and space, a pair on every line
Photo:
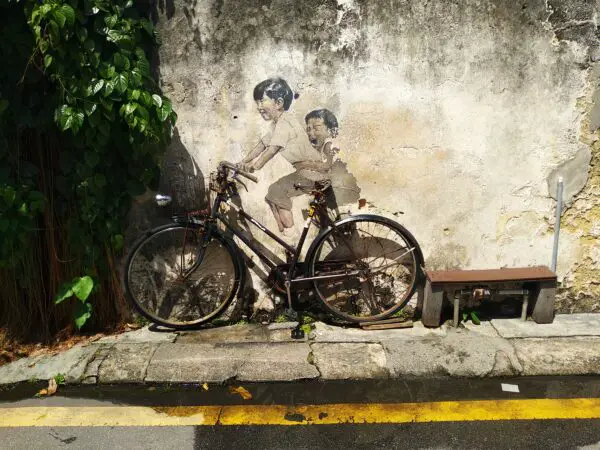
83, 127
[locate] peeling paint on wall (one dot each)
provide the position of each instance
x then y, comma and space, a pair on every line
581, 220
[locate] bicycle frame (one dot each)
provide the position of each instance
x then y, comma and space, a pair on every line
292, 252
224, 196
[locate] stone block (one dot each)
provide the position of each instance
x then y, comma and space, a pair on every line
567, 356
196, 363
126, 363
71, 364
356, 360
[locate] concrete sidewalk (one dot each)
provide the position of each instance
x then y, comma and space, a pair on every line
503, 347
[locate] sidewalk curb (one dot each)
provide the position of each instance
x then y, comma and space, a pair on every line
265, 354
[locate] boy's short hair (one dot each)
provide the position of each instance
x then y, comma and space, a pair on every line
275, 88
328, 117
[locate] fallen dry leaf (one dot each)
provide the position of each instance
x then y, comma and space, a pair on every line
51, 389
241, 391
205, 387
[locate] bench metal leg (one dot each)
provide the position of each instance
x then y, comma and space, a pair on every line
456, 301
543, 302
432, 305
525, 306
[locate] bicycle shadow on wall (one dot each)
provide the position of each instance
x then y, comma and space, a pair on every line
187, 185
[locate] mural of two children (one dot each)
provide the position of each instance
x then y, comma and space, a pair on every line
312, 151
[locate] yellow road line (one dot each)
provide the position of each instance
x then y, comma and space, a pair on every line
454, 411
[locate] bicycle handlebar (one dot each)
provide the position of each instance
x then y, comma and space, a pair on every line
238, 170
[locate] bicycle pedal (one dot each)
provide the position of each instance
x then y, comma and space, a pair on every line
297, 333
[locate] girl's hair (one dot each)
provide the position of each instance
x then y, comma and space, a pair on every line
275, 88
328, 117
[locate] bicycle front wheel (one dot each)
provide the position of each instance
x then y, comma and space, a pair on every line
176, 280
370, 267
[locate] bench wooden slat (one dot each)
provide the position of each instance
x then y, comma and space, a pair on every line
537, 273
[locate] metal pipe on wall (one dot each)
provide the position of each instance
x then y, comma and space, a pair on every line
559, 192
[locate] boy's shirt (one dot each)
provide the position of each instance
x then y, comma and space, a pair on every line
288, 134
334, 148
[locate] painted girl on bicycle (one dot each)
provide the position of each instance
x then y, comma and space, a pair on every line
288, 137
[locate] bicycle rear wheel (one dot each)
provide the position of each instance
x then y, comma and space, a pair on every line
174, 281
373, 266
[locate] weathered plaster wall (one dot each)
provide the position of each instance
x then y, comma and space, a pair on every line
461, 114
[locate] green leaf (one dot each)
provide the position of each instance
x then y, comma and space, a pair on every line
47, 60
65, 117
59, 16
78, 118
117, 242
157, 100
64, 292
54, 31
111, 21
109, 86
82, 287
143, 113
121, 82
167, 106
97, 86
137, 75
147, 99
83, 311
81, 33
9, 195
89, 45
3, 105
129, 108
163, 114
147, 26
89, 108
69, 14
144, 66
114, 36
119, 60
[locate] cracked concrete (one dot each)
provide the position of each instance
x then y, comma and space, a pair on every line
501, 348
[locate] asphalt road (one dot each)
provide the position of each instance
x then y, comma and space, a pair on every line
432, 414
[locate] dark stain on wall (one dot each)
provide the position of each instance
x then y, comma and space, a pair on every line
235, 26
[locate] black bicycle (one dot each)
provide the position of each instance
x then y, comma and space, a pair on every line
181, 275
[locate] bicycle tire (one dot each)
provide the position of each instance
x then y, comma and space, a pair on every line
155, 285
349, 252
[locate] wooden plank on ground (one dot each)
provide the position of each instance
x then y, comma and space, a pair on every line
387, 326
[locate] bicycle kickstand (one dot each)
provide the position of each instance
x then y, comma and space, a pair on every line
297, 332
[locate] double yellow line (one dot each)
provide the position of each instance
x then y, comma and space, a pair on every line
328, 414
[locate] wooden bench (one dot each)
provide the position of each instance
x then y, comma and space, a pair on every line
536, 284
